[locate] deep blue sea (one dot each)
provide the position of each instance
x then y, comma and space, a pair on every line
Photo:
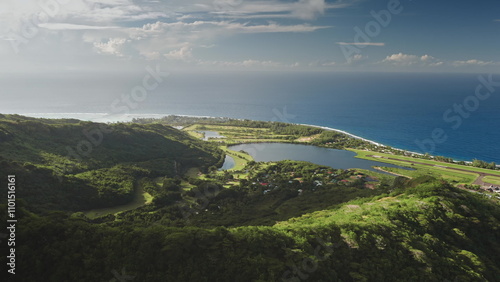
397, 109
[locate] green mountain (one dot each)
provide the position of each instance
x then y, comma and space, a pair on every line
323, 225
426, 232
73, 165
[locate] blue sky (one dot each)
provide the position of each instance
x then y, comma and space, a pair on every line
421, 35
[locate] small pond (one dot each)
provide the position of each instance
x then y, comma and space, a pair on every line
228, 163
210, 134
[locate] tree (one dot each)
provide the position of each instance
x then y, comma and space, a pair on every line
171, 185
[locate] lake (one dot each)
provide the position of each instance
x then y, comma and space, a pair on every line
228, 163
338, 159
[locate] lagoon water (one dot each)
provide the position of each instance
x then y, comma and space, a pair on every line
339, 159
228, 163
397, 109
210, 134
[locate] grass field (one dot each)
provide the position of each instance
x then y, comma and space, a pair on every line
240, 159
492, 180
435, 168
448, 175
364, 155
141, 198
236, 134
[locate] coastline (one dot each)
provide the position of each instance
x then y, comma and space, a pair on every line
104, 117
360, 138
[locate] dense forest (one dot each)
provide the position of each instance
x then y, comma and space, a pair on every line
282, 221
427, 231
72, 165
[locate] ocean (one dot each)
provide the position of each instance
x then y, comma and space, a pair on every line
420, 112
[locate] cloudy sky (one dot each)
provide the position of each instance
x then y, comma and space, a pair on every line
373, 35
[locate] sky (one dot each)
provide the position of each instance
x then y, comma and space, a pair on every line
51, 36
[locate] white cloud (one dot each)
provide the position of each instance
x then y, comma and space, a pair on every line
474, 63
301, 9
430, 61
114, 46
309, 9
208, 46
225, 26
362, 43
412, 60
174, 29
66, 26
183, 54
170, 38
249, 63
357, 59
325, 63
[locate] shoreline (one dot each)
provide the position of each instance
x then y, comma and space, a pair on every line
360, 138
101, 117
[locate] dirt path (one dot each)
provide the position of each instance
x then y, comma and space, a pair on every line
392, 173
479, 181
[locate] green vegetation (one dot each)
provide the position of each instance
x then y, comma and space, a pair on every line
148, 202
244, 131
140, 198
454, 173
492, 179
425, 230
483, 164
365, 155
240, 158
78, 166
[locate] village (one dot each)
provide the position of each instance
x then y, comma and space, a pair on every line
303, 177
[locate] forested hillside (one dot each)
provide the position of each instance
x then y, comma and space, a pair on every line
276, 221
428, 231
73, 165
